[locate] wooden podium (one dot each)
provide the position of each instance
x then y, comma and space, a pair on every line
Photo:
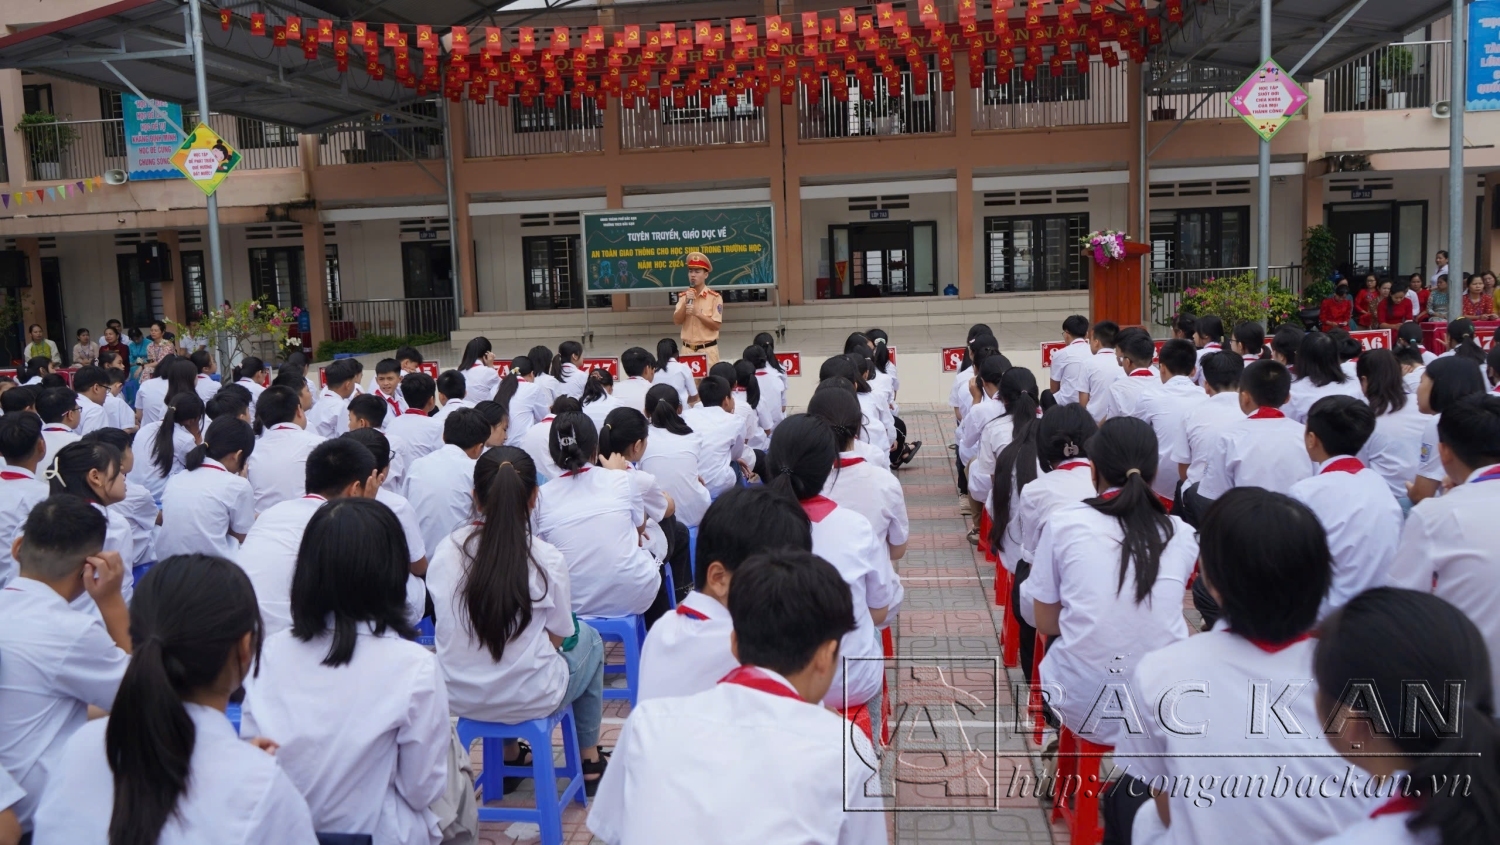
1116, 291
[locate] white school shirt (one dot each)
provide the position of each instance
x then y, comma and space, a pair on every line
56, 436
986, 410
255, 388
549, 387
481, 381
598, 409
118, 413
329, 416
993, 439
531, 677
782, 771
1448, 548
884, 386
1429, 461
440, 487
876, 427
872, 491
200, 508
630, 392
1166, 409
680, 376
1102, 370
653, 539
151, 399
755, 432
1230, 680
592, 517
1305, 394
1264, 449
1387, 828
574, 381
1207, 350
239, 795
11, 792
91, 416
1201, 428
773, 394
1104, 633
845, 539
394, 405
675, 460
54, 663
537, 442
145, 472
269, 557
417, 435
687, 652
277, 469
1362, 521
20, 491
1069, 370
140, 511
530, 404
958, 395
722, 436
118, 538
1125, 393
447, 408
207, 388
1412, 380
367, 743
1070, 482
416, 549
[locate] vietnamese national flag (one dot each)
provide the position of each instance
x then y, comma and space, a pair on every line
258, 23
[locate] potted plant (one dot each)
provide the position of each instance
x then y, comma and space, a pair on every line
46, 141
1394, 67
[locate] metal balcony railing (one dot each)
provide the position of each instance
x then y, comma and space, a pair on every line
1166, 286
1009, 101
874, 111
1410, 75
693, 125
350, 318
412, 133
78, 149
514, 129
1194, 92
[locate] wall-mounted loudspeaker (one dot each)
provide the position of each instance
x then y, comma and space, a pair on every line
1442, 109
115, 177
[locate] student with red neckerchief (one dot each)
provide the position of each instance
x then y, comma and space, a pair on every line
1265, 449
1136, 350
209, 507
22, 446
278, 468
867, 487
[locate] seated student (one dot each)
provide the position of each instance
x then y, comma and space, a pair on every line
477, 367
507, 642
278, 467
1444, 382
1264, 559
138, 507
721, 433
1284, 345
534, 441
415, 433
92, 386
358, 709
388, 385
1103, 369
336, 469
868, 488
1368, 647
497, 419
231, 401
841, 372
452, 394
1248, 342
165, 766
1264, 448
291, 377
1208, 337
165, 443
593, 517
58, 408
22, 447
252, 374
409, 360
1351, 501
640, 371
1205, 421
802, 456
1136, 350
1348, 353
598, 396
988, 409
439, 485
674, 454
881, 428
622, 443
209, 508
746, 413
687, 652
329, 416
117, 412
1108, 580
1410, 335
671, 371
790, 611
370, 411
1448, 543
380, 449
205, 384
959, 398
55, 662
94, 472
571, 378
1318, 374
541, 367
524, 401
772, 387
1394, 448
36, 369
748, 386
1070, 364
1167, 406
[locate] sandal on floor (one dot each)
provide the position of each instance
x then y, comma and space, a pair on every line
592, 786
974, 537
910, 451
522, 758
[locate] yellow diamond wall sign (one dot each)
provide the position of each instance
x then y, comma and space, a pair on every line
205, 159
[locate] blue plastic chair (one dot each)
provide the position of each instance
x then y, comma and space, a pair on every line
631, 632
426, 633
547, 813
233, 712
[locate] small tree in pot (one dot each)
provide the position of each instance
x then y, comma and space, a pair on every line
46, 141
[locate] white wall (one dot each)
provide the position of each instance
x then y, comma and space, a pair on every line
369, 259
819, 214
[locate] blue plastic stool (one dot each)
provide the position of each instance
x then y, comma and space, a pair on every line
139, 572
547, 814
666, 570
631, 632
233, 712
693, 552
426, 633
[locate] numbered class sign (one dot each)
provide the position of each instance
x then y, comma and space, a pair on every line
953, 356
609, 365
428, 367
698, 364
791, 363
1369, 339
502, 368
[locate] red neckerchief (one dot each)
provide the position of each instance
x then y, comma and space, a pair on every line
1272, 648
284, 427
1110, 494
1071, 465
55, 427
818, 507
575, 472
1267, 414
1142, 373
395, 406
849, 462
1399, 804
684, 610
1250, 359
758, 679
1492, 475
315, 496
762, 372
1214, 347
417, 411
214, 467
12, 475
1345, 464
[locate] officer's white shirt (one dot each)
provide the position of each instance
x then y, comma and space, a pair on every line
1102, 370
722, 436
530, 404
277, 469
1201, 428
630, 392
91, 416
367, 743
1104, 632
1305, 394
844, 538
1125, 393
872, 491
20, 491
206, 387
680, 376
755, 432
417, 434
151, 399
440, 488
1166, 409
598, 409
54, 663
1262, 450
531, 677
536, 442
480, 382
239, 794
687, 652
269, 557
118, 413
1069, 370
1362, 521
1448, 548
987, 409
591, 516
140, 511
329, 416
56, 436
772, 394
145, 471
993, 439
200, 508
782, 770
416, 549
675, 460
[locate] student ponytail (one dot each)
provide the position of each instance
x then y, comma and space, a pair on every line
840, 409
1015, 466
666, 351
68, 474
1367, 649
1461, 339
225, 436
1124, 452
573, 441
882, 354
183, 409
664, 407
496, 589
623, 428
801, 456
744, 379
767, 343
248, 367
474, 351
593, 388
187, 620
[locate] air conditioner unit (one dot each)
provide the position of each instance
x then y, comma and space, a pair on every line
1442, 110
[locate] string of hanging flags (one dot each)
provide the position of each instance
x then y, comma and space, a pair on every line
65, 191
749, 58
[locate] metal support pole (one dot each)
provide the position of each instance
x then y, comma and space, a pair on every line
215, 256
1457, 193
1263, 193
454, 251
1143, 167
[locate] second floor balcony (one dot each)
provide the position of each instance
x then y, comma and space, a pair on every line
79, 149
875, 109
1410, 75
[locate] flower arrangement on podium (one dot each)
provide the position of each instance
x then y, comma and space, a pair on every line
1106, 246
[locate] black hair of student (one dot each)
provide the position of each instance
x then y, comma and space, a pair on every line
54, 403
840, 409
292, 377
566, 352
238, 391
182, 377
493, 412
1017, 461
1076, 325
980, 347
1222, 370
162, 364
1462, 340
1409, 334
666, 351
565, 405
58, 533
767, 343
1342, 423
1251, 336
975, 330
785, 605
864, 362
839, 366
756, 356
339, 373
801, 456
247, 368
18, 398
452, 384
1470, 428
1210, 327
387, 366
509, 384
1268, 558
374, 440
19, 434
635, 360
718, 391
118, 376
52, 380
744, 379
36, 366
856, 340
725, 370
1125, 455
226, 404
1062, 434
474, 350
1136, 345
1492, 362
1269, 383
1453, 378
465, 428
623, 428
408, 353
225, 436
747, 521
418, 389
993, 368
664, 407
1345, 343
297, 359
71, 465
593, 387
1318, 360
882, 352
1409, 355
1105, 332
541, 359
183, 409
88, 377
370, 408
187, 620
115, 437
275, 406
201, 359
1383, 385
1286, 341
496, 588
573, 441
106, 357
1178, 356
351, 571
335, 464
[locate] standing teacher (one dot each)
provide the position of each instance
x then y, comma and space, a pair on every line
700, 311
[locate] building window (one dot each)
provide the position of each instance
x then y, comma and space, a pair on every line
1039, 253
257, 134
718, 109
1200, 238
37, 98
1012, 88
138, 299
561, 116
194, 282
276, 274
898, 258
111, 109
554, 274
331, 272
